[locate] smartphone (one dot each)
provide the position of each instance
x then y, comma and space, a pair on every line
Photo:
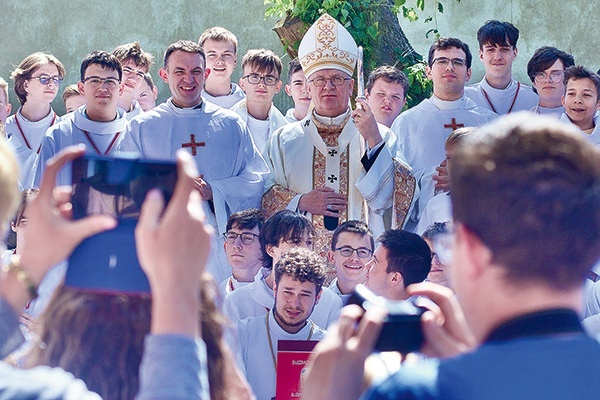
108, 262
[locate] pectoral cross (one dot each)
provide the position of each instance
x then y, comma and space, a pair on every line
193, 144
332, 178
454, 124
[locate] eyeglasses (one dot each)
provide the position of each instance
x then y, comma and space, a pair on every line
298, 242
445, 61
138, 73
361, 252
246, 237
335, 81
555, 76
255, 79
45, 79
97, 81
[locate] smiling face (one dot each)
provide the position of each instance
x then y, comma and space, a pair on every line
294, 302
38, 93
221, 59
449, 80
498, 60
185, 75
581, 102
350, 270
378, 279
386, 100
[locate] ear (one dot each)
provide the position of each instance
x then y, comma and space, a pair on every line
163, 75
278, 87
288, 90
206, 73
476, 256
318, 296
395, 279
516, 51
269, 249
81, 88
155, 92
242, 83
330, 254
13, 227
481, 54
351, 85
468, 75
562, 100
428, 73
274, 289
8, 108
367, 94
121, 88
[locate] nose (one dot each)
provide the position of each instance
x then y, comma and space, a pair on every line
329, 84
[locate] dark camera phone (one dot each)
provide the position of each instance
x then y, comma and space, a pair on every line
402, 327
114, 186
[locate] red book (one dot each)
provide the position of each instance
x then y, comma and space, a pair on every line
292, 363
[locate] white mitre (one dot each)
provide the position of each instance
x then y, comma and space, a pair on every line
327, 45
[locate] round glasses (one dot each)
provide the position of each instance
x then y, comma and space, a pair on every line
555, 76
46, 79
335, 81
255, 79
245, 237
361, 252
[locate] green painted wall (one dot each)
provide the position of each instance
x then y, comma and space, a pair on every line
71, 29
570, 25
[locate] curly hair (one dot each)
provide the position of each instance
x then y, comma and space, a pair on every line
303, 265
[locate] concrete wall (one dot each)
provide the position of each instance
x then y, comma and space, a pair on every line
570, 25
71, 29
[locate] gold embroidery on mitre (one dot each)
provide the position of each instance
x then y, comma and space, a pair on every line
328, 52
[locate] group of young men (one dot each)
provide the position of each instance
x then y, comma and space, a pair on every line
298, 200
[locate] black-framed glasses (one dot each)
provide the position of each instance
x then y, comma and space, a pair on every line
335, 81
445, 61
310, 242
46, 79
555, 76
254, 79
97, 81
361, 252
246, 237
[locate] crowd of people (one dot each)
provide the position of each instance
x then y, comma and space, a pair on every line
277, 218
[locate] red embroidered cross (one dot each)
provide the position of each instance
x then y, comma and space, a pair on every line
454, 125
193, 144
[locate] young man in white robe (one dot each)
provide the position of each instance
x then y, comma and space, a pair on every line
260, 82
100, 125
581, 101
220, 47
283, 231
352, 247
318, 166
36, 82
422, 130
242, 248
299, 277
546, 69
231, 167
498, 91
297, 89
136, 63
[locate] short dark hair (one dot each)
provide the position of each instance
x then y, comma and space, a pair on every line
187, 46
103, 58
576, 72
407, 253
435, 229
544, 57
293, 67
247, 219
303, 265
133, 51
497, 33
283, 225
355, 227
389, 74
529, 188
263, 60
445, 43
